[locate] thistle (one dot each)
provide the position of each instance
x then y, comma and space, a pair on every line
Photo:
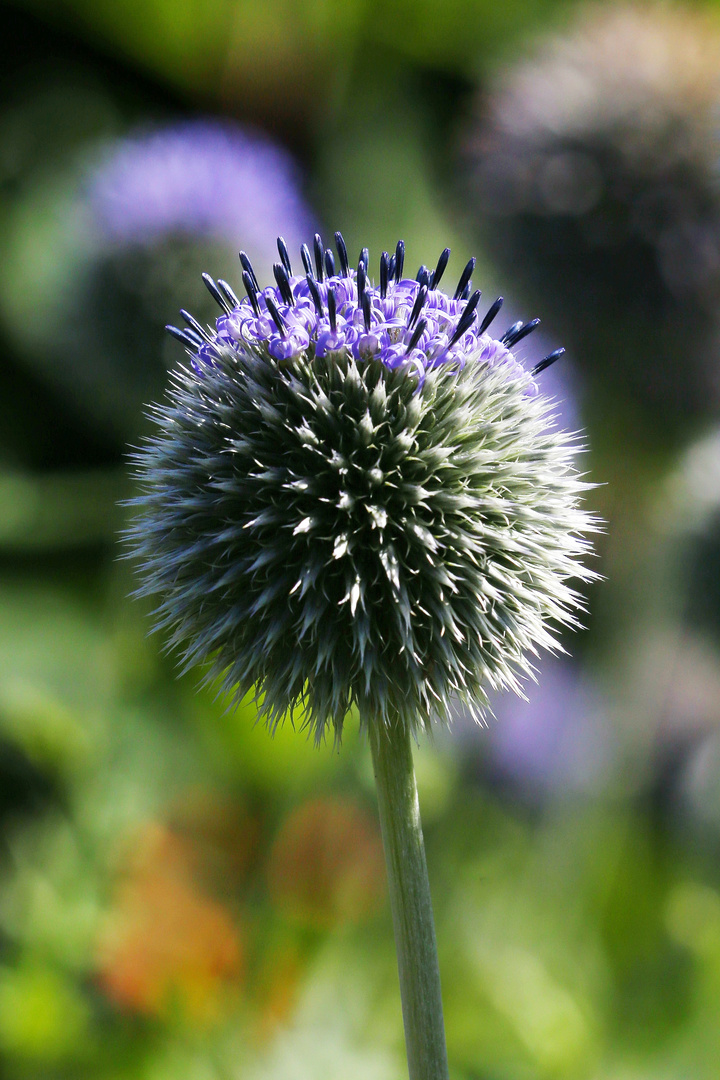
134, 222
592, 171
183, 179
355, 499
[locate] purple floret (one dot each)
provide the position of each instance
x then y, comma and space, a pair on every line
403, 322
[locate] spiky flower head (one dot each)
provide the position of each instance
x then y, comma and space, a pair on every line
593, 173
354, 496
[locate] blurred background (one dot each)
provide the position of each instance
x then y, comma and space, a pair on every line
181, 896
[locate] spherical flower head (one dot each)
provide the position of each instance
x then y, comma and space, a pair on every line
593, 173
354, 497
133, 224
185, 178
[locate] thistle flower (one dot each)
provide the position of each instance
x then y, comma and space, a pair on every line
132, 227
354, 496
593, 173
185, 178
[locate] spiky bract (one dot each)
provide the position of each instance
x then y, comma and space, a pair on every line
333, 531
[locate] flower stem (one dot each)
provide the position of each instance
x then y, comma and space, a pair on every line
410, 903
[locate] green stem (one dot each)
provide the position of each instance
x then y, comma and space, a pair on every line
410, 904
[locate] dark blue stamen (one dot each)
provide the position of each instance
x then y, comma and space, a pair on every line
416, 335
384, 264
195, 324
306, 260
315, 293
247, 265
284, 255
228, 292
252, 294
464, 279
361, 279
547, 361
283, 284
365, 258
399, 260
342, 253
423, 275
319, 249
187, 337
417, 306
491, 313
391, 268
511, 331
466, 291
440, 269
467, 318
215, 293
521, 332
329, 263
367, 313
332, 310
275, 314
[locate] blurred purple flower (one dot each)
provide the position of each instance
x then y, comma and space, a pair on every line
559, 738
556, 742
199, 178
133, 226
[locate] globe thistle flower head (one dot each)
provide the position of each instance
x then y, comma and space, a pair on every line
592, 169
354, 496
134, 223
184, 179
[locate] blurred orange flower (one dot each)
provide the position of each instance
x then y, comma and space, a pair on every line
326, 866
169, 948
